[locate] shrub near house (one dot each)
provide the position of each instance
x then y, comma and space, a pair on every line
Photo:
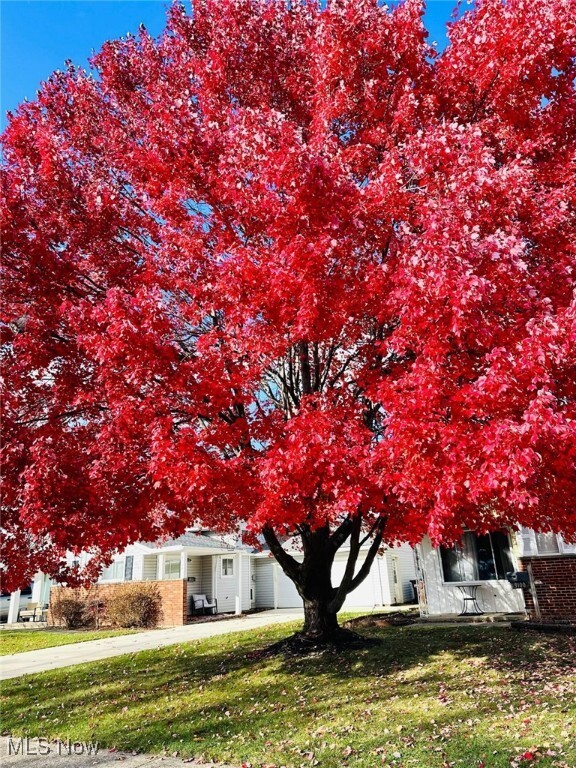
127, 605
75, 610
134, 605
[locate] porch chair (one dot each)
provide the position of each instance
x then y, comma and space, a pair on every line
29, 613
201, 604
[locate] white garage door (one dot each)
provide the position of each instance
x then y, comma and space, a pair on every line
367, 595
288, 596
373, 590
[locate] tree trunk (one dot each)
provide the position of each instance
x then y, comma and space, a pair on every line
313, 576
320, 624
315, 587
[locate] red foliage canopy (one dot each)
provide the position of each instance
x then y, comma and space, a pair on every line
286, 265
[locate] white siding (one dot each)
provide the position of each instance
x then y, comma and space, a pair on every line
194, 570
40, 589
252, 582
264, 570
526, 542
206, 581
138, 562
493, 596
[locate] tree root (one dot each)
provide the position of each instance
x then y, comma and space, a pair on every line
300, 644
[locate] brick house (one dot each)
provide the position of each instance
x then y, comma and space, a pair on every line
237, 578
471, 576
194, 564
551, 567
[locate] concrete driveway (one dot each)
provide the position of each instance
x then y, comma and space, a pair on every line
93, 650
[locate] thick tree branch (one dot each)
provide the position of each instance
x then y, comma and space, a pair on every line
291, 567
344, 588
372, 552
341, 533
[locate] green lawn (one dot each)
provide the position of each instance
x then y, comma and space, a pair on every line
19, 640
427, 697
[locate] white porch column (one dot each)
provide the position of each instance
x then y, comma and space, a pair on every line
239, 585
14, 607
160, 570
215, 565
37, 588
46, 586
184, 565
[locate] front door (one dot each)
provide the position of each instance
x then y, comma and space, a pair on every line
252, 583
398, 589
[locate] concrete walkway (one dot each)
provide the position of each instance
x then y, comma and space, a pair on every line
33, 753
93, 650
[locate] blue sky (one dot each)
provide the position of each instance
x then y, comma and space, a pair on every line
37, 36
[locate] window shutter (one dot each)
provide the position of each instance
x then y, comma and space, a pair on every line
128, 568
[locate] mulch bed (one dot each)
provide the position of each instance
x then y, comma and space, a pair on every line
382, 620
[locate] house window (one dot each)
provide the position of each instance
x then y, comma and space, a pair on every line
172, 568
227, 566
547, 544
114, 572
477, 557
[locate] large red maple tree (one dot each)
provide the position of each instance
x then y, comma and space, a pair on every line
286, 266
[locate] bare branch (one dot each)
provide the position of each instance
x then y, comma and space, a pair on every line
305, 368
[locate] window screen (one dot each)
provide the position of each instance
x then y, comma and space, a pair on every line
172, 568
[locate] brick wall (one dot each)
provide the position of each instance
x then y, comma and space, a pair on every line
172, 593
554, 579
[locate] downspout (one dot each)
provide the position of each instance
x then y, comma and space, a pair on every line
533, 591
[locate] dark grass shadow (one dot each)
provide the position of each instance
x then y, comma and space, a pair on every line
202, 694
